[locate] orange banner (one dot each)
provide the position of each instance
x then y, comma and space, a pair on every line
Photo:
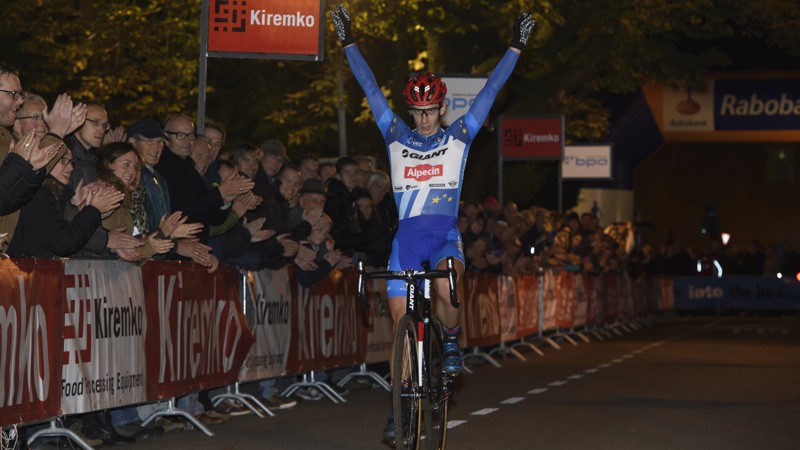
327, 325
31, 326
197, 336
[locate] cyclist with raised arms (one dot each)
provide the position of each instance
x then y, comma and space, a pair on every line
427, 169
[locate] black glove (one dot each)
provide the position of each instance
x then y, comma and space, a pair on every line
522, 30
344, 29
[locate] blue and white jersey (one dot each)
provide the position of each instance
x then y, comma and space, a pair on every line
427, 171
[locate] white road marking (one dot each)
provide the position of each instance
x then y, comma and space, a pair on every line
616, 361
484, 411
575, 377
512, 400
592, 370
557, 383
454, 423
537, 391
604, 366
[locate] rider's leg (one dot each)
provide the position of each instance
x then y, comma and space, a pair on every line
449, 317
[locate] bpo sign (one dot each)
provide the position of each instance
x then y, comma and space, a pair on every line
586, 162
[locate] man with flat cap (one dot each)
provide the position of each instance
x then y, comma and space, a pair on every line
148, 139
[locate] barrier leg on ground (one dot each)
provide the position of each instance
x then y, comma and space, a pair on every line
615, 327
565, 336
580, 336
309, 382
596, 333
548, 341
364, 373
55, 431
503, 349
477, 353
171, 411
245, 399
633, 324
529, 345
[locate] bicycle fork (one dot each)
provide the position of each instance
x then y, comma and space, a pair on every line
420, 347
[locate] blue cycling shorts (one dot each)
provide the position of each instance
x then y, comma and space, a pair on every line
422, 238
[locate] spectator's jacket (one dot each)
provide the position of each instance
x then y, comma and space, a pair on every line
308, 278
44, 232
339, 205
188, 193
156, 202
18, 180
83, 162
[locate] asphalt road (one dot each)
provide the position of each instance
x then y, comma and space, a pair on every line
682, 383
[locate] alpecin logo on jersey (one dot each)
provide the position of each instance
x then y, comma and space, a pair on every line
423, 172
423, 156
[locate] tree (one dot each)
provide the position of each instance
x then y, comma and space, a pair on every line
140, 58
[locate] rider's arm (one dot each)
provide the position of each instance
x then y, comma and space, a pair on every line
483, 101
377, 101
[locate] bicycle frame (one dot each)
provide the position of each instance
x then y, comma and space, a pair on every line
432, 390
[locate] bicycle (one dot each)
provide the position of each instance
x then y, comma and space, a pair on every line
420, 387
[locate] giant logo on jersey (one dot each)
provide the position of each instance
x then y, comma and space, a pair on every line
423, 172
423, 156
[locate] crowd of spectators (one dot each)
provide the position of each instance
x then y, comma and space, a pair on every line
71, 186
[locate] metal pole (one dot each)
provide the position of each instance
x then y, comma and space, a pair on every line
203, 66
341, 111
500, 161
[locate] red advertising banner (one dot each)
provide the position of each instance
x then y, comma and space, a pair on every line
379, 328
549, 301
580, 310
507, 307
266, 28
565, 299
326, 325
481, 315
591, 288
527, 287
197, 337
666, 297
534, 137
31, 324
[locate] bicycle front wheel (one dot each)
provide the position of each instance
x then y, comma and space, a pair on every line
434, 405
406, 386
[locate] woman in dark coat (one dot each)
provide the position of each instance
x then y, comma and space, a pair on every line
44, 232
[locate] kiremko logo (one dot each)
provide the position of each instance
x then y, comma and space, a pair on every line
234, 16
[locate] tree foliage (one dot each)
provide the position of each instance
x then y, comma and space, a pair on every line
140, 57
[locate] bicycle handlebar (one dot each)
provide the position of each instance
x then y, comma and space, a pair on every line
410, 276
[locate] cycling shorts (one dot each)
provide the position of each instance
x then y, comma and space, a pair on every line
422, 238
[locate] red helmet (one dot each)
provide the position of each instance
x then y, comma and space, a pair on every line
425, 90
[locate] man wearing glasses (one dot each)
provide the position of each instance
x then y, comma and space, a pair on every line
85, 141
23, 160
30, 116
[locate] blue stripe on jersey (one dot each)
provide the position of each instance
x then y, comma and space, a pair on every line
407, 203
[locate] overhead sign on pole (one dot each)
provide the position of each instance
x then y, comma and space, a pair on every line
266, 29
532, 137
586, 162
461, 92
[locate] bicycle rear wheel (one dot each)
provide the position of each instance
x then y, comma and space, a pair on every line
406, 389
434, 405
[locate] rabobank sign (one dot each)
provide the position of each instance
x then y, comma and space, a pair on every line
761, 104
